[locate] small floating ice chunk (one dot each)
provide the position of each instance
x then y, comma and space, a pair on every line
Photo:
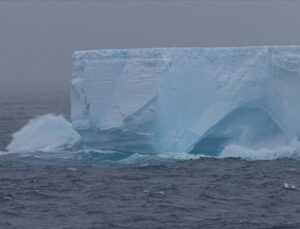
289, 186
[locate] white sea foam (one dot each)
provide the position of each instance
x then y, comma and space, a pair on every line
291, 150
169, 156
181, 156
47, 133
51, 133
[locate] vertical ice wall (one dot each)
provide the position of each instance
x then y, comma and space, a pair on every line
186, 99
115, 97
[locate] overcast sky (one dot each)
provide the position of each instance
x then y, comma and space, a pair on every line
37, 38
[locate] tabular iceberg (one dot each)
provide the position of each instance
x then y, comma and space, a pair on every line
195, 100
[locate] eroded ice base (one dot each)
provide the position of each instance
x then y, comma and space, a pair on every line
196, 100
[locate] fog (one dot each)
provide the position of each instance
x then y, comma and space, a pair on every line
37, 38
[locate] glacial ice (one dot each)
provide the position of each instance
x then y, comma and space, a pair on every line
187, 100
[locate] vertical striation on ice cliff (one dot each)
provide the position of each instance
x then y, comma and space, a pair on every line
186, 99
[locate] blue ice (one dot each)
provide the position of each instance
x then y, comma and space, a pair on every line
187, 100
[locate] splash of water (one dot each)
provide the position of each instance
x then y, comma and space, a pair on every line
53, 133
291, 150
47, 133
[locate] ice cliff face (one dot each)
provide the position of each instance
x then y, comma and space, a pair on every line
194, 100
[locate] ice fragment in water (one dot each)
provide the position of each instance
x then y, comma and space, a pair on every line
289, 186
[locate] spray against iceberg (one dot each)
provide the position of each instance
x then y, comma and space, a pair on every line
196, 100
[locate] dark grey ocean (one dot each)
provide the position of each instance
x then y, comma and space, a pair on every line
38, 191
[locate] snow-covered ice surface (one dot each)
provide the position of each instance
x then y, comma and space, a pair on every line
187, 100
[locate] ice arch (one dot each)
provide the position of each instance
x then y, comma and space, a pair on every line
251, 127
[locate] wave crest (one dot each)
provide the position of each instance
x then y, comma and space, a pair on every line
291, 150
47, 133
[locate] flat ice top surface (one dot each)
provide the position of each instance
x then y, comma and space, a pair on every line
180, 99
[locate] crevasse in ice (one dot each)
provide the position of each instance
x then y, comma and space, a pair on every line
196, 100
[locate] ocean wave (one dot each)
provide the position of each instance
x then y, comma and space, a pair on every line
291, 150
47, 133
54, 134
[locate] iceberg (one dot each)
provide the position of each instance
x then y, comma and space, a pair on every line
193, 100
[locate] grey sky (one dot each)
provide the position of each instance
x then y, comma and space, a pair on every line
37, 38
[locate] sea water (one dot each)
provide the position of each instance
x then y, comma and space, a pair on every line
71, 187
